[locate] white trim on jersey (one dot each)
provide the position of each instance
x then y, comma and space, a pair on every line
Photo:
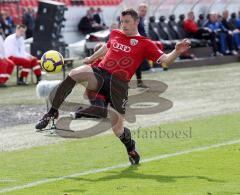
25, 70
36, 67
4, 75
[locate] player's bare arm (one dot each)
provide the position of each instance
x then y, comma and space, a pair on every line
98, 54
180, 47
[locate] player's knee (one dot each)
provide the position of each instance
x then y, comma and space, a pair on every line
118, 131
72, 73
79, 72
118, 128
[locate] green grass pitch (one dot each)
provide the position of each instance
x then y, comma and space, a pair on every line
209, 171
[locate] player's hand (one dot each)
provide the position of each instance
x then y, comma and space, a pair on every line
88, 60
183, 46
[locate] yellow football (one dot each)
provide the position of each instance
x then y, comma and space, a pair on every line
52, 61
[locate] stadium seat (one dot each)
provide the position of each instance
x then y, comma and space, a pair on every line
77, 2
181, 20
153, 29
233, 19
174, 31
108, 2
159, 31
116, 2
34, 3
99, 2
104, 2
153, 34
201, 20
68, 2
88, 3
91, 3
23, 3
163, 29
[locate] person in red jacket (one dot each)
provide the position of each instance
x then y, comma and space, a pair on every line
193, 31
6, 65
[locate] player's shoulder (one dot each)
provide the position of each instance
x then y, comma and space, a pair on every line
10, 37
146, 40
1, 38
115, 33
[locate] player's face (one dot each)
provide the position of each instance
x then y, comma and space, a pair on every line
225, 14
21, 32
213, 17
191, 16
129, 25
142, 11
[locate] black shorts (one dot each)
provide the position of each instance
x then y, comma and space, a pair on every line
115, 90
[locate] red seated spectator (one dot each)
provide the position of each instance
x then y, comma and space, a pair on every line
6, 65
15, 51
192, 29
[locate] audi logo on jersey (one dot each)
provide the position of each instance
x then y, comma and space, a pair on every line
122, 47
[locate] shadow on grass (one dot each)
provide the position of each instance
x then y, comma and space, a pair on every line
130, 173
70, 191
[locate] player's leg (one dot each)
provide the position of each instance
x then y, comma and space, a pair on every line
236, 36
223, 44
6, 69
10, 67
230, 43
3, 73
139, 75
124, 134
92, 96
26, 64
118, 98
97, 109
77, 75
36, 68
213, 39
98, 101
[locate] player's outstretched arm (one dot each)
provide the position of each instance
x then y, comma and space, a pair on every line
99, 53
180, 47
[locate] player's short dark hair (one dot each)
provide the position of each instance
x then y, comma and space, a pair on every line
130, 12
21, 26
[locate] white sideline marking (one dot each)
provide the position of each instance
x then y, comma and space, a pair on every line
7, 180
93, 171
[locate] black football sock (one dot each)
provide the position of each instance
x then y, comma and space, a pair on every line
63, 90
126, 139
52, 111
